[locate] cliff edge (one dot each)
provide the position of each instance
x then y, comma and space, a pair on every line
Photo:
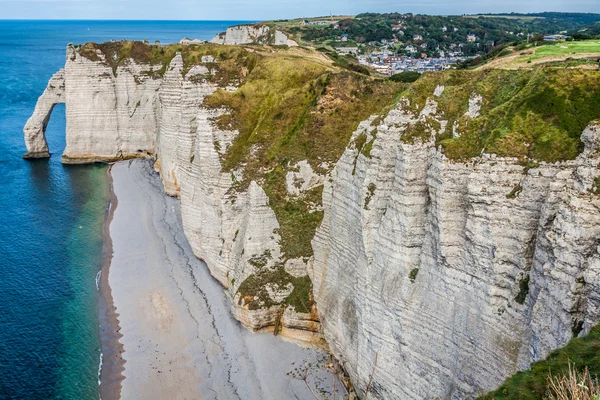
447, 228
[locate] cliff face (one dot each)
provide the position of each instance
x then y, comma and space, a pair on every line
249, 34
132, 109
451, 266
447, 274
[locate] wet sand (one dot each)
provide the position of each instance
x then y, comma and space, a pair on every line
111, 374
179, 339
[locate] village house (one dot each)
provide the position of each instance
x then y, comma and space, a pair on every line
417, 37
471, 37
392, 59
383, 69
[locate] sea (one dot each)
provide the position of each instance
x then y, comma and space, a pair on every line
52, 215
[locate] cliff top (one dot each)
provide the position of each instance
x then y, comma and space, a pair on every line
295, 104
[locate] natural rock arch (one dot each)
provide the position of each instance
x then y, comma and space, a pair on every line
35, 129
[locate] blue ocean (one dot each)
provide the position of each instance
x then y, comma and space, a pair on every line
52, 216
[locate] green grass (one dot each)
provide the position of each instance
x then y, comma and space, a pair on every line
566, 49
533, 383
232, 63
536, 114
413, 274
596, 187
370, 192
291, 109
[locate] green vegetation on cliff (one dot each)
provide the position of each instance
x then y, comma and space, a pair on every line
230, 64
533, 383
253, 291
292, 108
537, 114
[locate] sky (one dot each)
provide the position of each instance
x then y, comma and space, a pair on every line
267, 9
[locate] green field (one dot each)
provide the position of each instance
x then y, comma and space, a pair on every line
567, 48
546, 54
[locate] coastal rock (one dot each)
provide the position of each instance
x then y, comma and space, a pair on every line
111, 115
456, 275
134, 112
281, 39
35, 129
253, 34
241, 34
303, 179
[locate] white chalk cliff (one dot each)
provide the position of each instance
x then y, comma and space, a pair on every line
248, 34
420, 260
453, 274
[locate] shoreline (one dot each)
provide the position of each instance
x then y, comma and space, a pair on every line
168, 330
112, 364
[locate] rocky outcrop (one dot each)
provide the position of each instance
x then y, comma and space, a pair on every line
281, 39
110, 114
35, 129
453, 275
242, 34
253, 34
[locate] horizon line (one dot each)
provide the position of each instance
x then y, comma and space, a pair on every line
276, 19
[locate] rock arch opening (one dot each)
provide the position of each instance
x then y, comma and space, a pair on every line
35, 128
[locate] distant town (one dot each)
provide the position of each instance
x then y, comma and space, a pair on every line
393, 43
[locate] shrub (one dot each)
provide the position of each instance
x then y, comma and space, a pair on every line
405, 76
413, 274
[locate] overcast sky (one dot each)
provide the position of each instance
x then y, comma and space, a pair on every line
267, 9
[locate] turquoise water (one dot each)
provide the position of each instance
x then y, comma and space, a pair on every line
51, 216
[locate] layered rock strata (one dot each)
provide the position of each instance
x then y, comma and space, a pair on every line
253, 34
451, 275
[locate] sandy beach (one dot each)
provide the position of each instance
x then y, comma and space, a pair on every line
178, 338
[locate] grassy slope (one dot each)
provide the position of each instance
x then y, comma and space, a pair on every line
292, 108
533, 383
526, 58
535, 114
